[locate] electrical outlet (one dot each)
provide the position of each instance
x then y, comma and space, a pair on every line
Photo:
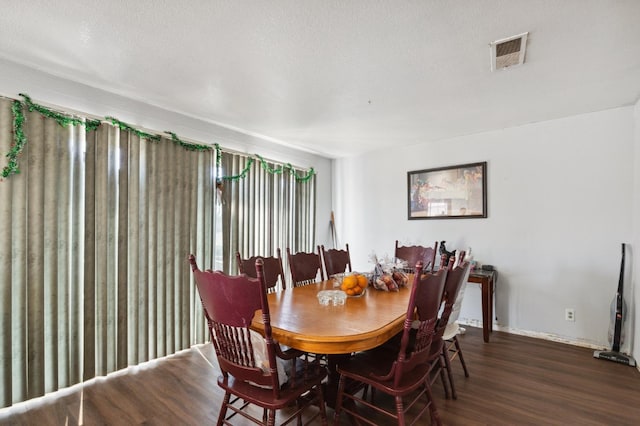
570, 314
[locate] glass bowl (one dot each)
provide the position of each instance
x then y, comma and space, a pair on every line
337, 279
360, 294
332, 297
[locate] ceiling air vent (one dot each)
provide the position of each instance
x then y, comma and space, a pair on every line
508, 52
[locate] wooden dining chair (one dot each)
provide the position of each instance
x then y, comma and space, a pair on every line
251, 376
400, 373
440, 359
336, 261
452, 347
444, 257
445, 254
273, 271
414, 254
305, 268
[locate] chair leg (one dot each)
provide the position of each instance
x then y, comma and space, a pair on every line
338, 407
459, 350
223, 409
447, 362
435, 416
323, 411
400, 411
437, 368
443, 366
373, 395
272, 418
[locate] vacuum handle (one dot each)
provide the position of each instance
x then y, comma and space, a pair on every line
617, 332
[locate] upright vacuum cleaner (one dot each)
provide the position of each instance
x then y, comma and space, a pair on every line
618, 311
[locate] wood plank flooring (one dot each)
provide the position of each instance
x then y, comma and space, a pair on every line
515, 380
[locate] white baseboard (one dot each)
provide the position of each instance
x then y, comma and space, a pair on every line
537, 335
534, 334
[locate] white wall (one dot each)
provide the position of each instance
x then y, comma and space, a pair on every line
54, 91
559, 205
633, 297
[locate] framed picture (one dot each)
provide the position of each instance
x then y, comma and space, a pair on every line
453, 192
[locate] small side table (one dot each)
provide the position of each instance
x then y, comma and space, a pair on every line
487, 279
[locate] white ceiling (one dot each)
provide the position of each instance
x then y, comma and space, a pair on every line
338, 77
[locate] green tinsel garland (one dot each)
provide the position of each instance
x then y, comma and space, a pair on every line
188, 146
124, 126
19, 138
218, 156
242, 174
66, 120
219, 178
61, 119
268, 168
299, 178
287, 166
265, 166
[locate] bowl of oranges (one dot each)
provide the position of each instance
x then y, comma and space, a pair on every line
354, 284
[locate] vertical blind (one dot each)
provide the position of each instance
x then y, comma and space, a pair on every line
95, 233
96, 230
265, 211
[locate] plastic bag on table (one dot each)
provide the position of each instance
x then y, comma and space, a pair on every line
385, 282
400, 278
386, 276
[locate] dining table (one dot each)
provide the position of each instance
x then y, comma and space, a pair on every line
299, 321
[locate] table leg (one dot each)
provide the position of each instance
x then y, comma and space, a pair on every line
486, 308
331, 388
487, 282
491, 316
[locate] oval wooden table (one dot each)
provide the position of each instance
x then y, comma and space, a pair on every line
299, 321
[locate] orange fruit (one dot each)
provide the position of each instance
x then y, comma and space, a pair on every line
350, 281
362, 281
350, 292
357, 290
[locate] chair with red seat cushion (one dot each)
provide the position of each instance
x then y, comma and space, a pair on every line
272, 270
414, 254
305, 268
336, 261
400, 373
230, 303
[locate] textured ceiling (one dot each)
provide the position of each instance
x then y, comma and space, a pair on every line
338, 77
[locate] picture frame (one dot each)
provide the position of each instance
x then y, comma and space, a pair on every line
451, 192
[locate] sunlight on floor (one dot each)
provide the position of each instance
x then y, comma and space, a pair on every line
199, 349
81, 410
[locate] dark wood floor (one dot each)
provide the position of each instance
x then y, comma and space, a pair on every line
515, 380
